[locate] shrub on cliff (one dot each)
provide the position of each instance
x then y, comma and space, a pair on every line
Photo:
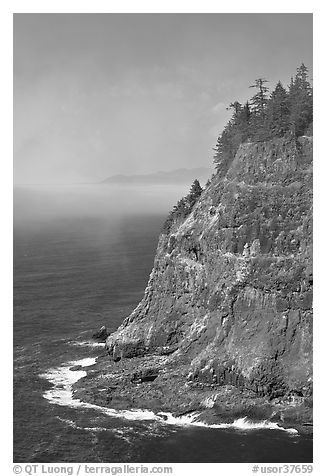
184, 206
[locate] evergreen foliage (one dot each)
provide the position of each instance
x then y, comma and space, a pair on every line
278, 117
266, 116
236, 131
184, 206
260, 99
301, 103
194, 193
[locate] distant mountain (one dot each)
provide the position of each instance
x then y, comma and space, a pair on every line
171, 177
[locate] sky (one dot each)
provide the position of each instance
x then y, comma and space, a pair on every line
103, 94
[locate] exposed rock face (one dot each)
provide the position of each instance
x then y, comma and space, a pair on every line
230, 293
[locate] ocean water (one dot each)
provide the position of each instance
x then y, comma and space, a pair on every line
82, 257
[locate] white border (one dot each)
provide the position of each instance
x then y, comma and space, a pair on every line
168, 6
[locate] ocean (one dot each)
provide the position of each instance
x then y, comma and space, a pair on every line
82, 257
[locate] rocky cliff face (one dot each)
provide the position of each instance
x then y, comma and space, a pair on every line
230, 294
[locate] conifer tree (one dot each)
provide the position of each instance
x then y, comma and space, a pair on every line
278, 112
235, 132
266, 117
245, 121
224, 150
184, 206
258, 105
195, 192
259, 100
301, 102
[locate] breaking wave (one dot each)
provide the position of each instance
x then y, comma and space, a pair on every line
62, 379
86, 343
240, 424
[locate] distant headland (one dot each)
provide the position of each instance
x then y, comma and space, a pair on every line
182, 175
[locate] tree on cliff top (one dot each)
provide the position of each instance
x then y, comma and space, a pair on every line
235, 132
259, 103
278, 114
301, 102
267, 116
259, 100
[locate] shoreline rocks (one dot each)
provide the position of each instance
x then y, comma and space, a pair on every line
114, 385
101, 335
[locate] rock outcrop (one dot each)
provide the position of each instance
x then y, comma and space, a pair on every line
229, 299
101, 335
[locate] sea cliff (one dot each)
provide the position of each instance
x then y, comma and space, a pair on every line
225, 324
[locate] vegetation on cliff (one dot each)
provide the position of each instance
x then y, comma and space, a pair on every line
267, 116
184, 206
283, 113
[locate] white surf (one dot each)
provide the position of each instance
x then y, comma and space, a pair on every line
62, 379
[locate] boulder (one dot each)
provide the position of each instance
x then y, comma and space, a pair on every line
101, 335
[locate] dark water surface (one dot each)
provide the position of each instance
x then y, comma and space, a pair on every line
81, 261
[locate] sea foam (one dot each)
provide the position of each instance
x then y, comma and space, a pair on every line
240, 424
86, 343
62, 379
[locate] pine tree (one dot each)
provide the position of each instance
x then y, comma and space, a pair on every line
195, 192
241, 124
184, 206
258, 104
259, 100
278, 112
224, 150
235, 132
245, 121
300, 102
266, 117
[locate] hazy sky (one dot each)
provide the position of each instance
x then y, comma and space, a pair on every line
100, 94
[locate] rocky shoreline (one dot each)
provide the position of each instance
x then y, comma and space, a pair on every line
160, 385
